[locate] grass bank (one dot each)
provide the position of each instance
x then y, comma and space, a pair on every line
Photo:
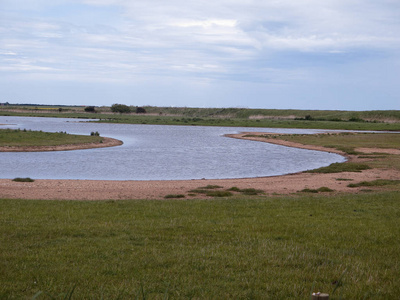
28, 138
350, 143
237, 117
243, 247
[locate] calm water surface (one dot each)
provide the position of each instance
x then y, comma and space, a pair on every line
154, 152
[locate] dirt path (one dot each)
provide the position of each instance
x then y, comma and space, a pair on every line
104, 190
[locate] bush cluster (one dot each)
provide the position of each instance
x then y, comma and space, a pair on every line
120, 108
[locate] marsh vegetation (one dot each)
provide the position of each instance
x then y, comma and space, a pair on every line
236, 117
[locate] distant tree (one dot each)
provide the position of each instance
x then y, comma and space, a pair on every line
121, 108
60, 109
90, 109
140, 110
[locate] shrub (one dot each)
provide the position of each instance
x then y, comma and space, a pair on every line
140, 110
90, 109
95, 133
121, 108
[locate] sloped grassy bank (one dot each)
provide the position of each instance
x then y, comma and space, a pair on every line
27, 140
242, 247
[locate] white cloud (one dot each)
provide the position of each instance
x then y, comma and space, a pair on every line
273, 41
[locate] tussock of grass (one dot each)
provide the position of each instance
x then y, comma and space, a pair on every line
323, 189
378, 182
25, 179
210, 192
172, 196
211, 187
199, 191
341, 167
309, 191
248, 192
218, 193
234, 189
251, 191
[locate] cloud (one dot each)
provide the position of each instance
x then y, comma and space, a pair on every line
283, 43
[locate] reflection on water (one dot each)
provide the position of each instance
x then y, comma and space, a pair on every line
154, 152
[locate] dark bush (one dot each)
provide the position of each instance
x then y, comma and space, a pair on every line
90, 109
120, 108
140, 110
356, 119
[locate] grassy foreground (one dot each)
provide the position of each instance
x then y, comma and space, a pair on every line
242, 248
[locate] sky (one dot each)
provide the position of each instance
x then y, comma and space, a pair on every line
279, 54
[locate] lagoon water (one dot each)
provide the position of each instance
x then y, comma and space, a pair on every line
155, 152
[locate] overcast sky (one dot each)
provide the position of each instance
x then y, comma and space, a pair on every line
303, 54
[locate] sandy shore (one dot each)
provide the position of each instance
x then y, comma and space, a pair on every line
104, 190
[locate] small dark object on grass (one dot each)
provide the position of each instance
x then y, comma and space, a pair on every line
27, 179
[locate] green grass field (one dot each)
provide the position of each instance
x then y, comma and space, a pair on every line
240, 248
